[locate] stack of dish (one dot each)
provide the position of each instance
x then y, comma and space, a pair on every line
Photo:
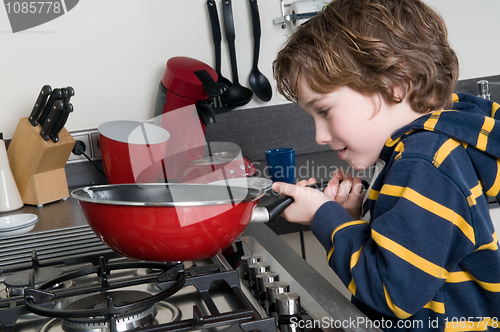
17, 224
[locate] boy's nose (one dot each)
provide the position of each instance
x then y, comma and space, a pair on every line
323, 136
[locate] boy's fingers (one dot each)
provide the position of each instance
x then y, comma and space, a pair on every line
331, 189
344, 189
284, 188
302, 183
355, 195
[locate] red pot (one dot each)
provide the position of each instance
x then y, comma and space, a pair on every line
132, 151
172, 222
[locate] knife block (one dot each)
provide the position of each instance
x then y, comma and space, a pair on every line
38, 165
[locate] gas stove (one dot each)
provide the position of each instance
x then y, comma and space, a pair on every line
68, 280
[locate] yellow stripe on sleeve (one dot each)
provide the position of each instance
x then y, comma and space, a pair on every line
354, 261
431, 206
444, 151
352, 287
455, 98
355, 257
475, 193
397, 311
373, 194
410, 257
494, 109
493, 245
462, 276
495, 189
435, 306
482, 139
347, 224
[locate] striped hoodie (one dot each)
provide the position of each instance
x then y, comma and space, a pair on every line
428, 258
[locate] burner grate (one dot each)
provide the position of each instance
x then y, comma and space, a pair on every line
56, 247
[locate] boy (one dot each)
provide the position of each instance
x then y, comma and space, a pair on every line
378, 77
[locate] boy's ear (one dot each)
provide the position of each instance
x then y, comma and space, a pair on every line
400, 92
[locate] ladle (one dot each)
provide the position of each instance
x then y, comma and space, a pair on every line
258, 82
237, 94
222, 82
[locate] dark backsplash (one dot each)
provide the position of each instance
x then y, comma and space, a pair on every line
259, 129
471, 86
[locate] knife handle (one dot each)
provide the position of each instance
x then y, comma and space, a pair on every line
39, 105
51, 119
55, 95
71, 93
61, 121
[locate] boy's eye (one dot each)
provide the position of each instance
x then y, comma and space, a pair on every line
323, 112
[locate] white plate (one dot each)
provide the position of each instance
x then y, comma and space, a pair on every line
249, 182
17, 224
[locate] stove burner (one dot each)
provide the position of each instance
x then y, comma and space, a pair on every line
17, 282
161, 313
146, 271
102, 302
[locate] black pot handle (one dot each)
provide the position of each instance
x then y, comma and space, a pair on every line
276, 208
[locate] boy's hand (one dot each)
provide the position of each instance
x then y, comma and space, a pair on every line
349, 193
306, 200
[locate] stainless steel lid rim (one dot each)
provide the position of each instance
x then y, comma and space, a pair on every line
194, 195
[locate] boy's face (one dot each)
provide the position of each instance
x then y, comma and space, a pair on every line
355, 125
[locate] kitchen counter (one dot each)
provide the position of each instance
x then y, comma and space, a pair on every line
55, 215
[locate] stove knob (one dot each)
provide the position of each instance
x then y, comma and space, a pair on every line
266, 278
254, 270
246, 261
274, 289
263, 279
288, 306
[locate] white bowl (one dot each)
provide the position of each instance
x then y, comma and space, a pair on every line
17, 224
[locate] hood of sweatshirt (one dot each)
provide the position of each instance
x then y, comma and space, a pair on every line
475, 123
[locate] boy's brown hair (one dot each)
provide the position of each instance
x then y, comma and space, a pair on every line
372, 46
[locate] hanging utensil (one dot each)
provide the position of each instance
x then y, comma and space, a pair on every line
258, 82
223, 82
237, 94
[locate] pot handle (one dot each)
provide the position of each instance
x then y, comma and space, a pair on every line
272, 211
276, 208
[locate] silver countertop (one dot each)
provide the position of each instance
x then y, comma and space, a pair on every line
55, 215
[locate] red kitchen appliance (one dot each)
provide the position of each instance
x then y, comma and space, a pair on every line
184, 107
